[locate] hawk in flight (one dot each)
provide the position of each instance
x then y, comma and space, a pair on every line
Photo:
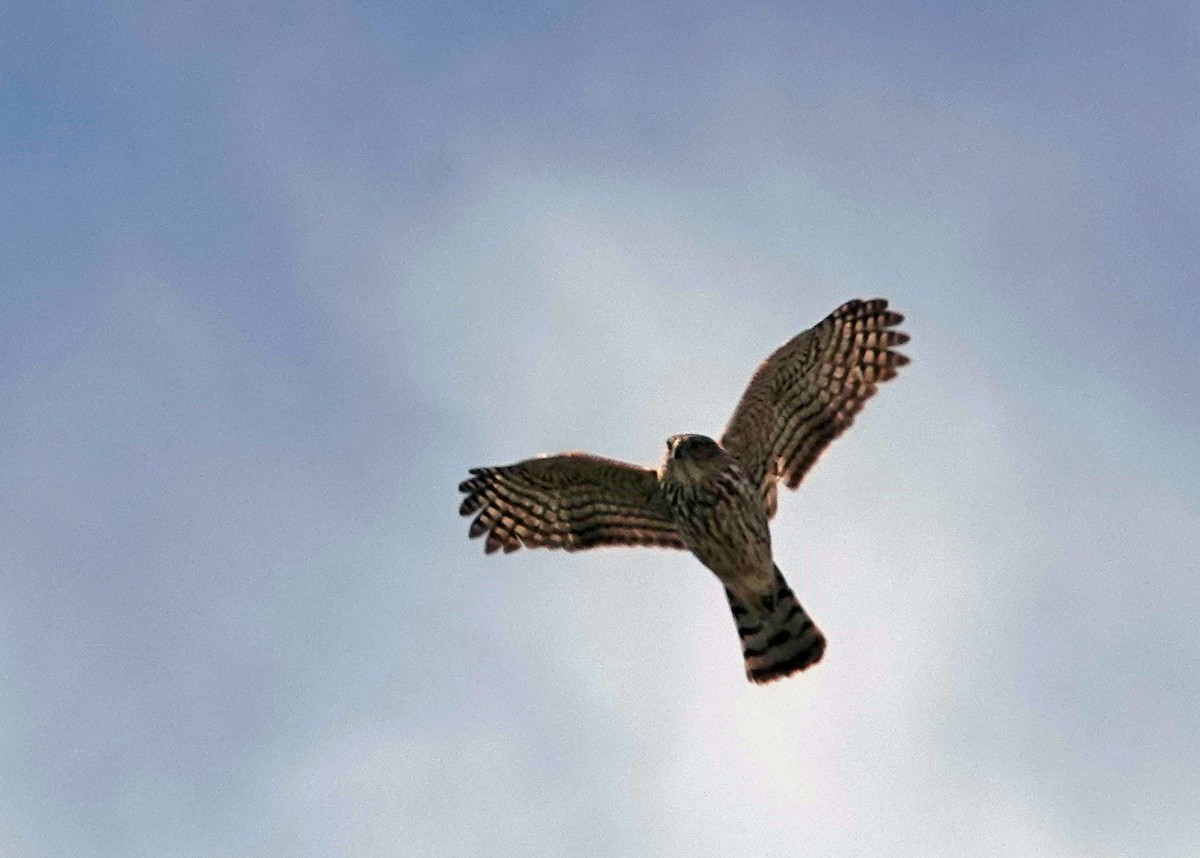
712, 498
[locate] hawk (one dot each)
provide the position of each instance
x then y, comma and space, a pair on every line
712, 498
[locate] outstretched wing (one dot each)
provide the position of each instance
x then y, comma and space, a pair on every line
809, 391
571, 501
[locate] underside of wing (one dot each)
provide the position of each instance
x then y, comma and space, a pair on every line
810, 390
571, 501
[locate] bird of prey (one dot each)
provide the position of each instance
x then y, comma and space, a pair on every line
712, 498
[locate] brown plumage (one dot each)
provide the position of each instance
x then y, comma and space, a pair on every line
569, 501
713, 499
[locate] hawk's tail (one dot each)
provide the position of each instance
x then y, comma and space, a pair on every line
779, 639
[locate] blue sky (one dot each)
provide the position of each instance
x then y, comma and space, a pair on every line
275, 277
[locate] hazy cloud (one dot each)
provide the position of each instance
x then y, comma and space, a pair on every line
284, 274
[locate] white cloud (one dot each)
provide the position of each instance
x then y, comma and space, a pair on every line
543, 248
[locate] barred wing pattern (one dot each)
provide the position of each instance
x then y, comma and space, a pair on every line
809, 391
570, 501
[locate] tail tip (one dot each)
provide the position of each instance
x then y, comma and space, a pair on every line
802, 659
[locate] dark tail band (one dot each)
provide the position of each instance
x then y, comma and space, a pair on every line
778, 638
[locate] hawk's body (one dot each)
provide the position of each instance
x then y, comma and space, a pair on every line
719, 514
713, 499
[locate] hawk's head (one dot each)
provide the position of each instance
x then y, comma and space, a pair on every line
691, 457
699, 448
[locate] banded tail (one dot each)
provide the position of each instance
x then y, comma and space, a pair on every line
778, 639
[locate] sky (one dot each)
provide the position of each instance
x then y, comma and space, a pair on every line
277, 274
